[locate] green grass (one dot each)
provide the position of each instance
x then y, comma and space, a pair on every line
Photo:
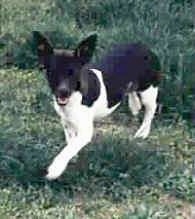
165, 26
114, 177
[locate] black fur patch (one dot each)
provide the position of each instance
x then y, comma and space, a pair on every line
91, 90
126, 65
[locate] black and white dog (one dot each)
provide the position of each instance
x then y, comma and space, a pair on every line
83, 94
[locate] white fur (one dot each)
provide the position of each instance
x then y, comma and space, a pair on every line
148, 98
77, 120
100, 106
134, 103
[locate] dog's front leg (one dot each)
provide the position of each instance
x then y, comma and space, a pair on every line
83, 137
69, 132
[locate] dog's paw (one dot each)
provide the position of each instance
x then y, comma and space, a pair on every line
142, 133
55, 169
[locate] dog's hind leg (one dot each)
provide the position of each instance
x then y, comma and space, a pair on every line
148, 98
134, 103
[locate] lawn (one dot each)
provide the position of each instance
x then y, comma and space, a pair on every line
115, 176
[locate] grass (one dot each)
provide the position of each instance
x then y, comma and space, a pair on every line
114, 177
167, 27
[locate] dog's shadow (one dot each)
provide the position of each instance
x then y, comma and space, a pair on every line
111, 165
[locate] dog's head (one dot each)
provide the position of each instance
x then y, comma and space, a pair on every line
64, 68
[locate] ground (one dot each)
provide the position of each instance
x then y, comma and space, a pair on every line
115, 176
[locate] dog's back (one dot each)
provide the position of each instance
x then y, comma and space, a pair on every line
127, 68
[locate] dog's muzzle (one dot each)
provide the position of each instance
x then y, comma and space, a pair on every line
62, 101
62, 95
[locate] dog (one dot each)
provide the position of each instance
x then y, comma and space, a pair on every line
84, 92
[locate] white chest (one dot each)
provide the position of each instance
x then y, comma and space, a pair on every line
75, 112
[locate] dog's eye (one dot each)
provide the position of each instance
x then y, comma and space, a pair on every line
70, 72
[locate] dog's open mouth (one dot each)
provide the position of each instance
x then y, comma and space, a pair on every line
62, 100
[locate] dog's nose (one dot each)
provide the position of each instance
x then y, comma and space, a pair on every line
63, 92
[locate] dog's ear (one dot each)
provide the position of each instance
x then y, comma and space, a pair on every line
86, 48
42, 44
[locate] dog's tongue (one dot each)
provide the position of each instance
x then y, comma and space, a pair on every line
62, 100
